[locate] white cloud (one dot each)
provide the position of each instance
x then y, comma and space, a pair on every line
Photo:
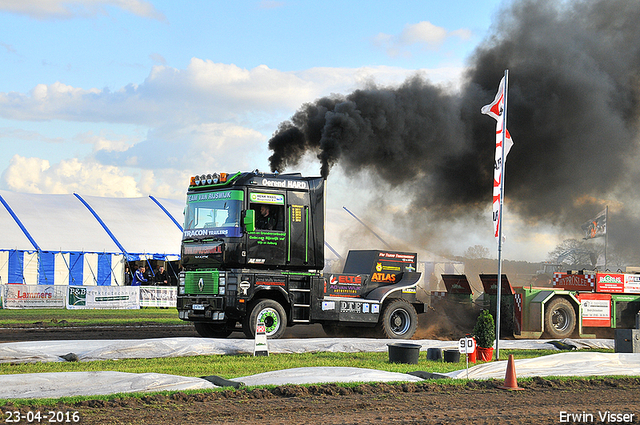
158, 59
35, 175
423, 34
68, 9
27, 135
203, 92
105, 141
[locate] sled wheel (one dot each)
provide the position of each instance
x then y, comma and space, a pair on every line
399, 320
559, 319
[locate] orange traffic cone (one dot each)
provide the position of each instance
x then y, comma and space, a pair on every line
510, 382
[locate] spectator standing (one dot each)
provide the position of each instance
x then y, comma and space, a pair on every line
139, 277
127, 276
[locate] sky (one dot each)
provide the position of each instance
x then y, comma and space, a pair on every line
126, 98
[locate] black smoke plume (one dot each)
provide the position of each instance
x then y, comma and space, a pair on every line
574, 80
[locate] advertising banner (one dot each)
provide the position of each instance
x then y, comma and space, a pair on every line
610, 282
632, 283
596, 309
574, 282
34, 296
158, 296
113, 297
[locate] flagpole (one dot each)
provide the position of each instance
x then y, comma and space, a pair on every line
502, 175
606, 235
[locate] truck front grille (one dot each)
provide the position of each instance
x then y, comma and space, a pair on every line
203, 282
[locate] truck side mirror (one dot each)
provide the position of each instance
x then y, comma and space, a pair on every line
250, 220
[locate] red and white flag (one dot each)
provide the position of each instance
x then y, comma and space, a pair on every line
496, 110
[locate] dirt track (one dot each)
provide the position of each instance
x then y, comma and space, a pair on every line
542, 401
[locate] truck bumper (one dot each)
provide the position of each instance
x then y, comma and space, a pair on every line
205, 309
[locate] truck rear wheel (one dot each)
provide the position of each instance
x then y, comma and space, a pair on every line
399, 320
209, 330
559, 319
271, 313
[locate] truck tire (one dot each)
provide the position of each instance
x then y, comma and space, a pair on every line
559, 319
271, 313
399, 320
209, 330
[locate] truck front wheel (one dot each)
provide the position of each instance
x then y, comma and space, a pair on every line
271, 314
399, 320
559, 319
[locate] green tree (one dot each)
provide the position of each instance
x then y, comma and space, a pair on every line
484, 330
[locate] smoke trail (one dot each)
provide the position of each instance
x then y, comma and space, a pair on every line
573, 114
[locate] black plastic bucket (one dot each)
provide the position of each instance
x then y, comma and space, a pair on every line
434, 354
401, 352
451, 356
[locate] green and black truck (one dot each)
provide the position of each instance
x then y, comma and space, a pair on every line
253, 251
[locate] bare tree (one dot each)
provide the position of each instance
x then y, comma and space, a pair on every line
575, 253
477, 252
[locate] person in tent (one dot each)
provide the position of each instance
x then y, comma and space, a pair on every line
127, 276
139, 277
161, 276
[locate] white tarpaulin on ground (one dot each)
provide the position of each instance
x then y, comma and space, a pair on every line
64, 384
319, 375
41, 385
69, 384
563, 364
42, 351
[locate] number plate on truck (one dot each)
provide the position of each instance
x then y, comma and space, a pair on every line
197, 307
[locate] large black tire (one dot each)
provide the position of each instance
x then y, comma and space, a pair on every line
209, 330
399, 320
559, 319
271, 313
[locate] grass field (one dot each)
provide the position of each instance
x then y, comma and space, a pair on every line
233, 366
62, 317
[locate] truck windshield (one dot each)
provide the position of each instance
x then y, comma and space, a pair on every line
213, 213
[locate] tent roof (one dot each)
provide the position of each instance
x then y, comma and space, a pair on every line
140, 227
12, 236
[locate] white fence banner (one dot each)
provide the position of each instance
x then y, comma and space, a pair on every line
158, 296
114, 297
33, 296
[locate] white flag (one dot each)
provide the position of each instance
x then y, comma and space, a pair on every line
496, 110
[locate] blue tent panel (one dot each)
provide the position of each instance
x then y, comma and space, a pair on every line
16, 266
46, 268
76, 265
104, 269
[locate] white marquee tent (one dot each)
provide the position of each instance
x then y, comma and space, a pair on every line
83, 240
